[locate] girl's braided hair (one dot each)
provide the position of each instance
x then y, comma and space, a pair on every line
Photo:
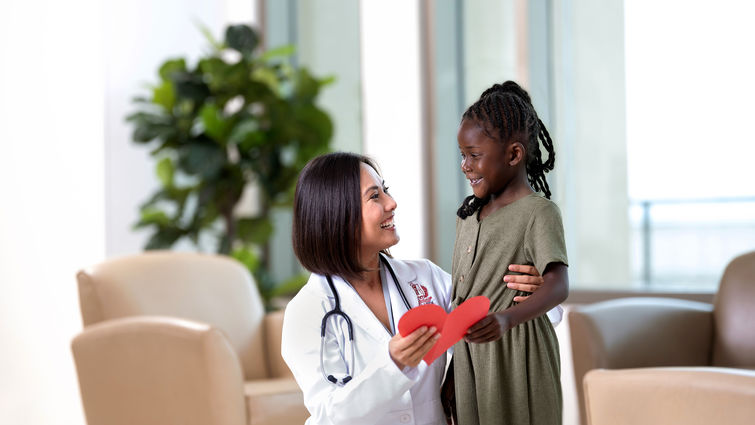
506, 114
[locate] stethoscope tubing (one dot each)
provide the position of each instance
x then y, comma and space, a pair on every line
338, 312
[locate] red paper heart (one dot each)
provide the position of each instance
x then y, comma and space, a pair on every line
452, 327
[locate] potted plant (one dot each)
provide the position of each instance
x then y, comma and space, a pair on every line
238, 119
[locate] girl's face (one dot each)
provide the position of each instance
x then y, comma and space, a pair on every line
483, 160
378, 230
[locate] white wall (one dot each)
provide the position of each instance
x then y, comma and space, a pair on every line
52, 216
70, 180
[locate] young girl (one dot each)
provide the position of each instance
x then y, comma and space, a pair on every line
507, 368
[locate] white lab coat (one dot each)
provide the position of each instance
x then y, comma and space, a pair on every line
379, 393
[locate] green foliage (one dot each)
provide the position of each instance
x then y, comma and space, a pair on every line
238, 117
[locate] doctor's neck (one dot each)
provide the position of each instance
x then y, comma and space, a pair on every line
371, 276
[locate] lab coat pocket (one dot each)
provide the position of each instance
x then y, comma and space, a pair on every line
431, 412
405, 416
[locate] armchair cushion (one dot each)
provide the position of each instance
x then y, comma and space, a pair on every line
661, 396
275, 402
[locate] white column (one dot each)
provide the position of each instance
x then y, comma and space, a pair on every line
590, 140
392, 121
328, 44
490, 46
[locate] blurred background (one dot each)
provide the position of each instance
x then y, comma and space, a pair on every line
648, 103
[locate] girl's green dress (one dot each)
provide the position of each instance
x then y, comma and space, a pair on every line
515, 380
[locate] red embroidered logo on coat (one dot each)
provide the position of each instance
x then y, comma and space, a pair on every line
421, 292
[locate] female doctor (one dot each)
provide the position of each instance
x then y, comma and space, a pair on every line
339, 331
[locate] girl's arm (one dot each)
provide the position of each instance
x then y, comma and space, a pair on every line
553, 292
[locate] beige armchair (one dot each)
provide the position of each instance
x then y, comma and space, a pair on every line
655, 332
663, 396
180, 338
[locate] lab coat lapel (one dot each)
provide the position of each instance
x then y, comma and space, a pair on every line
361, 315
405, 275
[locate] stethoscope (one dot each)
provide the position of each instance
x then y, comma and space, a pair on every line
338, 312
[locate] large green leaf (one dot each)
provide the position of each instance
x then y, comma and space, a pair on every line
191, 86
247, 135
306, 87
165, 172
164, 95
314, 122
170, 67
285, 50
215, 125
201, 157
267, 77
151, 216
150, 126
241, 38
164, 238
247, 257
290, 286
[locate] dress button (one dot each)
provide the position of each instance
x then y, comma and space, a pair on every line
469, 249
461, 279
405, 419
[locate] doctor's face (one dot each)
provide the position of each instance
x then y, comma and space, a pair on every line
378, 230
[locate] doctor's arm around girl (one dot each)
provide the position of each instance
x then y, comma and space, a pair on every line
339, 331
507, 369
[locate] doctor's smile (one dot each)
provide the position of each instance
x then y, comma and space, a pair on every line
388, 224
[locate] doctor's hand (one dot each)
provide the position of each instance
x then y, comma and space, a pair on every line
409, 350
529, 281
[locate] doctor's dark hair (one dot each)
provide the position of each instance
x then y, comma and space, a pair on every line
327, 224
505, 113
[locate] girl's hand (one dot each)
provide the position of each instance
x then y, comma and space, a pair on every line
409, 350
530, 281
490, 328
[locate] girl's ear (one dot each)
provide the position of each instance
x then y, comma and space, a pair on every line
516, 153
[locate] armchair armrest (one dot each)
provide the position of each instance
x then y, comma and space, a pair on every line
158, 370
273, 333
660, 396
639, 332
